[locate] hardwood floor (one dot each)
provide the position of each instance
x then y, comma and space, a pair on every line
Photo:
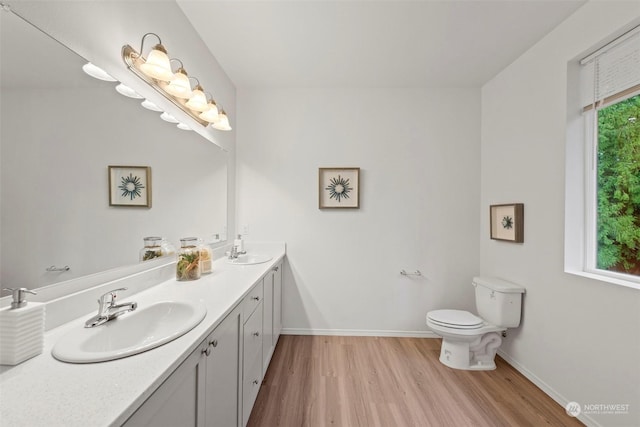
319, 381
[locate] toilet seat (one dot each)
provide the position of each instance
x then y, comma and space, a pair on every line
455, 319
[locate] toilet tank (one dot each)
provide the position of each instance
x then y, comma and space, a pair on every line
498, 301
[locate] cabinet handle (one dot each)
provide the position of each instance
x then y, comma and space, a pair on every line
275, 268
206, 351
255, 382
255, 298
213, 343
256, 334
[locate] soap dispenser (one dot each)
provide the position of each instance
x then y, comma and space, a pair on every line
21, 328
239, 244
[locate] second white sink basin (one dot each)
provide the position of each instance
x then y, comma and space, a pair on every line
248, 259
132, 333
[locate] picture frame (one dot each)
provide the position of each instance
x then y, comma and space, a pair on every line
507, 222
130, 186
339, 188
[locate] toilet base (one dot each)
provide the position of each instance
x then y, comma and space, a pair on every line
477, 355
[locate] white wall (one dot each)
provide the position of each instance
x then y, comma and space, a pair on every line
418, 151
580, 338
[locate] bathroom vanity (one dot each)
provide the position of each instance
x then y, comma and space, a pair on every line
209, 376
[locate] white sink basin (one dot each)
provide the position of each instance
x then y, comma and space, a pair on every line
132, 333
248, 259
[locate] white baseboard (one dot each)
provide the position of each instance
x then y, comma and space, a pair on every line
359, 333
560, 399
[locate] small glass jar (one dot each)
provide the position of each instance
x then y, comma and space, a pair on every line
151, 249
206, 257
167, 247
188, 265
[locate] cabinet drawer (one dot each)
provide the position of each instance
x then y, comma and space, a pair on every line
250, 388
253, 337
251, 301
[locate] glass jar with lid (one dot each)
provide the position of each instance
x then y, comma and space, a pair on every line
188, 265
206, 257
152, 248
167, 247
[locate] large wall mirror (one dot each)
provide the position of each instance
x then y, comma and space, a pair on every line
60, 130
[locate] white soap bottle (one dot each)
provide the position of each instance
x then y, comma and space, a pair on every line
21, 328
239, 244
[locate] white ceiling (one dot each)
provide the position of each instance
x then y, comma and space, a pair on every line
384, 43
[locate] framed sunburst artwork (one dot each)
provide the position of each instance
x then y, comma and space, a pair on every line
130, 186
339, 188
507, 222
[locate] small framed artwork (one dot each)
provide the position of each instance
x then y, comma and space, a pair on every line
507, 222
130, 186
339, 188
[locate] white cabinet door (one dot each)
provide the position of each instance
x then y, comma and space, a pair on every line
252, 361
267, 322
277, 302
223, 373
179, 401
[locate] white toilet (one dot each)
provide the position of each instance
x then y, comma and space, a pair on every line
470, 342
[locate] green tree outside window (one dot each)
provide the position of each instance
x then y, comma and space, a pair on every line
618, 224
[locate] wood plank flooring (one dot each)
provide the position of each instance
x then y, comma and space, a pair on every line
317, 381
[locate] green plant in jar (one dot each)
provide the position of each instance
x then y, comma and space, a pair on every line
151, 249
188, 265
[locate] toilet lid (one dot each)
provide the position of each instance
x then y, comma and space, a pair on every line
455, 319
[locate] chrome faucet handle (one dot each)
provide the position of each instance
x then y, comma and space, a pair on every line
106, 303
107, 299
233, 254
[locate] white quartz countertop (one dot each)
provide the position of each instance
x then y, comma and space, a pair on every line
46, 392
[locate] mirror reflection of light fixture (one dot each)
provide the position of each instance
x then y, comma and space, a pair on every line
150, 106
168, 118
179, 86
97, 72
157, 64
175, 87
127, 91
223, 121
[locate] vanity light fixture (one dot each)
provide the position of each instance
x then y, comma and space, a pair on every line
211, 113
156, 71
97, 72
223, 121
157, 64
179, 86
198, 100
183, 126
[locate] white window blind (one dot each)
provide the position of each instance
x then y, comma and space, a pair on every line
611, 72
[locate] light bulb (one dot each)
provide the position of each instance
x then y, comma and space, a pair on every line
223, 122
211, 113
198, 100
157, 64
179, 86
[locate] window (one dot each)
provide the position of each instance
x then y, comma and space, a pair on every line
610, 91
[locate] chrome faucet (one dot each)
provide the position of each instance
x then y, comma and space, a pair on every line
109, 310
233, 254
